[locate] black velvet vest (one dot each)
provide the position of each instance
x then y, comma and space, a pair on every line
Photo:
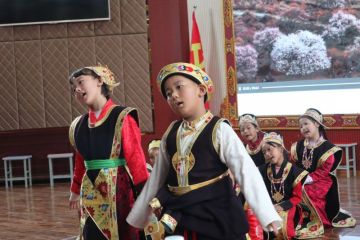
319, 155
96, 142
258, 158
288, 183
207, 161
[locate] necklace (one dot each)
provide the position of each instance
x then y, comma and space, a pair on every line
278, 193
307, 158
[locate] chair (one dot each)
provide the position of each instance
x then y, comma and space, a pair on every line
52, 157
8, 169
349, 162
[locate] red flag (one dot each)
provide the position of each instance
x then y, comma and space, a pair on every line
196, 51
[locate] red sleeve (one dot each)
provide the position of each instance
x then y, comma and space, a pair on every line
133, 152
324, 170
79, 172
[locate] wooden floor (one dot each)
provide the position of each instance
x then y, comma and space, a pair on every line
41, 212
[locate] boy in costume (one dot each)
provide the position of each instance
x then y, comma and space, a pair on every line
189, 187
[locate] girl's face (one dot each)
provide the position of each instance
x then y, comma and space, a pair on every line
273, 154
249, 131
308, 128
185, 97
153, 153
87, 89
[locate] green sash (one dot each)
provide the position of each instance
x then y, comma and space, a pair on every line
104, 163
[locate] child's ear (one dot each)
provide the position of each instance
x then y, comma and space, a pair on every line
202, 91
100, 82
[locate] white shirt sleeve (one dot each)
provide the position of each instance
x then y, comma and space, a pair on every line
141, 212
233, 153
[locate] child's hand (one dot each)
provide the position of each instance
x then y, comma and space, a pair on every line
157, 212
308, 180
278, 208
74, 201
273, 227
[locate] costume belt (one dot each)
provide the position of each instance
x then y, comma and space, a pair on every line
104, 163
182, 190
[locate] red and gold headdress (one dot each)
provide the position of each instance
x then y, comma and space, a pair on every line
106, 75
103, 72
188, 70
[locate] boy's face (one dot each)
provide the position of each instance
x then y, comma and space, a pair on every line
185, 97
86, 89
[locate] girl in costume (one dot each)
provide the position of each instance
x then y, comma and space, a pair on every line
190, 181
284, 183
320, 158
252, 136
109, 164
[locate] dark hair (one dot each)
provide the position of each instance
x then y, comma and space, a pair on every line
88, 72
285, 153
322, 132
184, 75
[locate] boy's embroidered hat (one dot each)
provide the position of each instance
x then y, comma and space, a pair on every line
273, 137
315, 115
104, 73
187, 70
154, 144
250, 118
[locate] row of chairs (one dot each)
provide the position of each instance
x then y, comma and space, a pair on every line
350, 162
27, 178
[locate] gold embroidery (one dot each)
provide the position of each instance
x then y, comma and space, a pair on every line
183, 164
178, 191
72, 131
253, 152
98, 123
300, 177
307, 159
169, 222
278, 194
190, 127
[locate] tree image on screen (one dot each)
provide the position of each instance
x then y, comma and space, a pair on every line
296, 40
